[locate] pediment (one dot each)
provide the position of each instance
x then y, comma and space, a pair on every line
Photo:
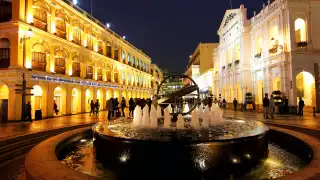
228, 17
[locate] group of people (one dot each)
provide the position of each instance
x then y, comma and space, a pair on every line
94, 107
114, 106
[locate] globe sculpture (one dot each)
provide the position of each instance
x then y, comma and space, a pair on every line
182, 98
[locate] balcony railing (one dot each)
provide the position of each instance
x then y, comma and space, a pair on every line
76, 74
89, 76
60, 70
273, 50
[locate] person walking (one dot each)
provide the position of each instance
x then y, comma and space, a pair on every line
235, 104
301, 105
116, 107
131, 107
55, 107
92, 107
123, 105
28, 111
224, 103
272, 106
110, 108
265, 106
97, 106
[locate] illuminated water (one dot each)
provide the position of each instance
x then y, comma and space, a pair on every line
81, 157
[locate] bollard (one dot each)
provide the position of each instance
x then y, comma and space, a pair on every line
314, 111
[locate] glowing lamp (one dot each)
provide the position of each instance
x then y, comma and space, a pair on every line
30, 18
28, 64
70, 72
108, 25
75, 2
124, 37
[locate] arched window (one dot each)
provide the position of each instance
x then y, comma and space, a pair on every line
300, 30
60, 61
133, 61
4, 53
100, 47
129, 59
124, 57
116, 53
61, 24
89, 72
40, 15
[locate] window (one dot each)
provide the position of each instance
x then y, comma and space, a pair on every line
300, 30
129, 80
77, 35
108, 76
4, 53
40, 17
60, 64
76, 69
5, 11
133, 61
116, 77
90, 41
129, 58
100, 47
89, 72
109, 51
99, 73
116, 54
39, 61
124, 57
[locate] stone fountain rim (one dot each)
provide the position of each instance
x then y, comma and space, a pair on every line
253, 133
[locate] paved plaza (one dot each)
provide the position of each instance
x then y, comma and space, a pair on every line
18, 129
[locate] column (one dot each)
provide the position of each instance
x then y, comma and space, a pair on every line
16, 51
14, 102
69, 71
50, 94
94, 89
69, 100
52, 27
84, 101
283, 79
51, 61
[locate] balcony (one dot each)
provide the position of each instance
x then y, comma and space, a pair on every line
89, 76
76, 73
60, 70
39, 66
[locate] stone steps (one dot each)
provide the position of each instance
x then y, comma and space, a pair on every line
18, 146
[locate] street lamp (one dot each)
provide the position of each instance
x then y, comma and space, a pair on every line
75, 2
108, 25
124, 37
273, 42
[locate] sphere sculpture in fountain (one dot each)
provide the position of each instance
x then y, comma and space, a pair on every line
199, 146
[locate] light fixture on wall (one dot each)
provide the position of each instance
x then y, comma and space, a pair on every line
273, 41
27, 36
75, 2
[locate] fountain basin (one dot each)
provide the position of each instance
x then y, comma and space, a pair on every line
235, 147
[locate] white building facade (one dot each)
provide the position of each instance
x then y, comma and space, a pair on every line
278, 49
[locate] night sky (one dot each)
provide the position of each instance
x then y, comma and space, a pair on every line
167, 30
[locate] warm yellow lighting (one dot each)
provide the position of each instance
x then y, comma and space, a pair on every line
28, 64
53, 28
52, 69
70, 72
30, 18
300, 30
87, 93
29, 33
273, 41
98, 94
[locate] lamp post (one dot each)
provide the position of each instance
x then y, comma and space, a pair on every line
23, 40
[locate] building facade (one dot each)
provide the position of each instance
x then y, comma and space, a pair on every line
157, 78
278, 49
66, 56
201, 67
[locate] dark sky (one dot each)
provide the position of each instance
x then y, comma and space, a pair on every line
167, 30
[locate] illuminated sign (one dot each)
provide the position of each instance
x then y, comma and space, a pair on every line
72, 81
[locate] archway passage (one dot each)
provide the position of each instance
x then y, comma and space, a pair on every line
305, 85
4, 100
59, 98
4, 53
89, 98
36, 99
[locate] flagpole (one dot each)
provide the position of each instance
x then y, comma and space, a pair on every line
231, 4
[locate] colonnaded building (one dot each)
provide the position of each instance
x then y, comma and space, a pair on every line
277, 49
66, 56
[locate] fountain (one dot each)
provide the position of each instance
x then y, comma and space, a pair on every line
217, 147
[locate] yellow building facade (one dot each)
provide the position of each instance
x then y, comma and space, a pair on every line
157, 78
67, 57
